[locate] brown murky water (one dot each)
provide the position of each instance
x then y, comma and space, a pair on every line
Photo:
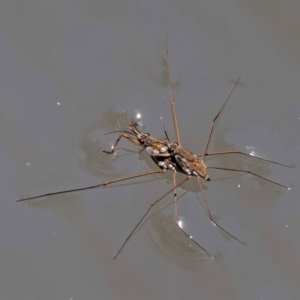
67, 71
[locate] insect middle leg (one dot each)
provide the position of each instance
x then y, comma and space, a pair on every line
217, 116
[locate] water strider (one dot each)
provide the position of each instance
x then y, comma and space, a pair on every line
172, 156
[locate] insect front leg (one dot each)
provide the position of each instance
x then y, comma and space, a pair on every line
130, 139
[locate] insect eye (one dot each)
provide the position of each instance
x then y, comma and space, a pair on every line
147, 134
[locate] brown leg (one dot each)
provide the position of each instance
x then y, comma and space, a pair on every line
217, 116
245, 171
195, 242
172, 103
175, 198
148, 210
94, 186
243, 153
210, 216
132, 140
176, 218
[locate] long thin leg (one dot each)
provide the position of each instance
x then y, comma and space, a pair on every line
148, 210
195, 241
245, 171
95, 186
132, 140
145, 214
243, 153
176, 217
217, 116
175, 198
165, 131
210, 216
172, 103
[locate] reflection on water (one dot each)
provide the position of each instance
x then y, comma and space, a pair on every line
99, 245
174, 245
93, 160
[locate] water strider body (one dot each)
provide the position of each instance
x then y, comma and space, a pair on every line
186, 161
